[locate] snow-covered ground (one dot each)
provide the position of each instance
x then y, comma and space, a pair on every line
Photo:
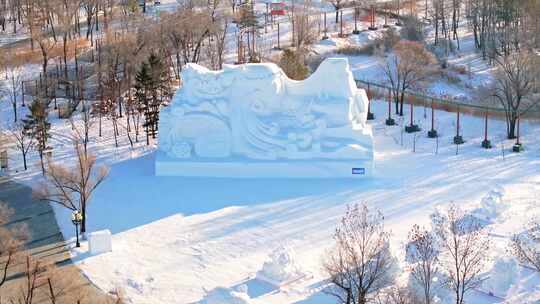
175, 239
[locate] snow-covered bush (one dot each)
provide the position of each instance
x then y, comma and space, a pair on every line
526, 245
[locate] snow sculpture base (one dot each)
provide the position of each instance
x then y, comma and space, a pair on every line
264, 169
251, 120
100, 242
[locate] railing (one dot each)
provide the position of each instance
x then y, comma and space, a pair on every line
450, 105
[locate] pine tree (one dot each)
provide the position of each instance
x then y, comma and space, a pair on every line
292, 64
152, 90
37, 124
142, 86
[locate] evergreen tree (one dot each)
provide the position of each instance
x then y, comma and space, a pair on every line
37, 124
142, 94
293, 65
152, 90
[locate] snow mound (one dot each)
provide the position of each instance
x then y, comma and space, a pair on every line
281, 268
503, 275
223, 295
491, 205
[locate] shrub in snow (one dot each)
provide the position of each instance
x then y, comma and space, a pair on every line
223, 295
526, 245
280, 268
503, 274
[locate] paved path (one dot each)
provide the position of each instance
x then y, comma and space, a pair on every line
45, 241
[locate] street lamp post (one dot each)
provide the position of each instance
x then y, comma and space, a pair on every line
76, 219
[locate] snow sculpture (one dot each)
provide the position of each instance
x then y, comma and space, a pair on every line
281, 268
492, 205
252, 121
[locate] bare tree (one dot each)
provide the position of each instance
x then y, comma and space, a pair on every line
423, 255
82, 129
24, 140
464, 248
515, 85
305, 26
526, 245
338, 5
13, 83
360, 263
408, 68
397, 295
72, 188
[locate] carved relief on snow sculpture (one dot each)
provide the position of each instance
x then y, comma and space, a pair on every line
253, 116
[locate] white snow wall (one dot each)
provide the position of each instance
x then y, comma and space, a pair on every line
251, 120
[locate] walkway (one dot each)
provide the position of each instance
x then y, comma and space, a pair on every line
45, 242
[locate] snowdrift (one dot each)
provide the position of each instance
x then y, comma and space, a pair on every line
252, 121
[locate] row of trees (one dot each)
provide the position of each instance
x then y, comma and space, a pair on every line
503, 26
452, 254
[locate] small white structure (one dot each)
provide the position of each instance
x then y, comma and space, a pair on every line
251, 120
100, 242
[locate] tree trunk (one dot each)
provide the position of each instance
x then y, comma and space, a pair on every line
83, 222
24, 161
402, 98
512, 121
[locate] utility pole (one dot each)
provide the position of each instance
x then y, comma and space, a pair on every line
390, 121
432, 133
486, 144
458, 139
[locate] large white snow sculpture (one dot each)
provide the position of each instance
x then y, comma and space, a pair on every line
252, 121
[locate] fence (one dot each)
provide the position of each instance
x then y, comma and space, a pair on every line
449, 105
